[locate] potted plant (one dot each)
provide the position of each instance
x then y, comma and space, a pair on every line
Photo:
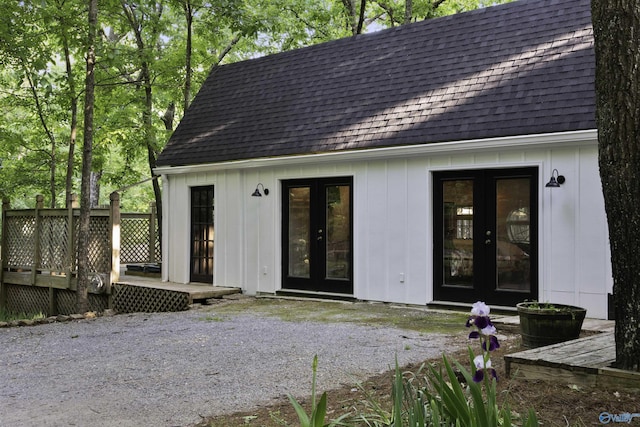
545, 323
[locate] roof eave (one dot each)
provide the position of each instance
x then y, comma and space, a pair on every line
510, 143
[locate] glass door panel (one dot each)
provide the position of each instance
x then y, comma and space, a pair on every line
338, 234
299, 232
458, 233
513, 234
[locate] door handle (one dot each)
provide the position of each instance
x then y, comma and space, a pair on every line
487, 242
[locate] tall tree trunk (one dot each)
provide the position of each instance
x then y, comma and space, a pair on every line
352, 15
137, 27
82, 297
150, 140
188, 12
363, 7
408, 11
95, 189
74, 119
616, 25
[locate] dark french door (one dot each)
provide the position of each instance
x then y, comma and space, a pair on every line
202, 234
317, 235
485, 235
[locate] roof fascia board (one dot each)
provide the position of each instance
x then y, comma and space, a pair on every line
583, 137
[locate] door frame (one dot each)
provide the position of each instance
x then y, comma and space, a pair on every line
464, 294
315, 284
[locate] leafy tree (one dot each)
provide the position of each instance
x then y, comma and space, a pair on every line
40, 36
616, 25
82, 297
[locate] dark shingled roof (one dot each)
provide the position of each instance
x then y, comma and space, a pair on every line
526, 67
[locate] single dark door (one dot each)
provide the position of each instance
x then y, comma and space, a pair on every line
485, 235
202, 234
317, 235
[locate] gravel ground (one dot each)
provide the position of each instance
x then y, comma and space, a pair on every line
171, 369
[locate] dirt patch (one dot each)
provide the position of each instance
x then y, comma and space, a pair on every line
556, 404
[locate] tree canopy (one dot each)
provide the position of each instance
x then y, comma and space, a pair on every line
152, 56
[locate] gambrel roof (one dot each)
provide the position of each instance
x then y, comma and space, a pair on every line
525, 67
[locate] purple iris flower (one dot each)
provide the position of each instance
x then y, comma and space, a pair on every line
485, 329
483, 367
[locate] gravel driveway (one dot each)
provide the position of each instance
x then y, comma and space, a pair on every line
171, 369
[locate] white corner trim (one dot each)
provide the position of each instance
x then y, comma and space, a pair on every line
566, 139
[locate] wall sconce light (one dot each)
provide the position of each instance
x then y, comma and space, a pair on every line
555, 180
257, 193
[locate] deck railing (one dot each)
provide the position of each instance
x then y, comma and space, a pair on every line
39, 248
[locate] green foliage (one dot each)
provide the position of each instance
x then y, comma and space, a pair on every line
319, 410
441, 396
468, 406
8, 316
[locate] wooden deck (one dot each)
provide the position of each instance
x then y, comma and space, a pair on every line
195, 291
144, 291
584, 362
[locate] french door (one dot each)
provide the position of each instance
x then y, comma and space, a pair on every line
202, 234
317, 235
485, 235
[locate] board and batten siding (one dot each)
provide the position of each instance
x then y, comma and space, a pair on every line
393, 229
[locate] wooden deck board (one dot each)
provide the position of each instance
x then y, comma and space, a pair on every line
586, 362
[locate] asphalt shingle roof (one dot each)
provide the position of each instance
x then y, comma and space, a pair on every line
525, 67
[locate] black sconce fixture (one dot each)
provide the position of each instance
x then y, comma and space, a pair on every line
257, 193
555, 180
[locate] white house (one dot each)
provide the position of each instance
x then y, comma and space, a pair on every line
408, 165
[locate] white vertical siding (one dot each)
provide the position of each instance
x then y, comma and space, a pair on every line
393, 224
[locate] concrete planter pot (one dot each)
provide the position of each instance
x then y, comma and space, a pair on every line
546, 324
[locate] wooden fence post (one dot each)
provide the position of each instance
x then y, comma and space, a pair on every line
36, 239
152, 232
70, 262
3, 259
73, 201
114, 222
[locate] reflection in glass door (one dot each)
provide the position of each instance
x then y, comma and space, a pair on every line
485, 235
317, 235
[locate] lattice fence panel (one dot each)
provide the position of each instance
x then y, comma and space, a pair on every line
99, 244
67, 302
157, 248
54, 235
134, 236
133, 299
27, 299
20, 241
